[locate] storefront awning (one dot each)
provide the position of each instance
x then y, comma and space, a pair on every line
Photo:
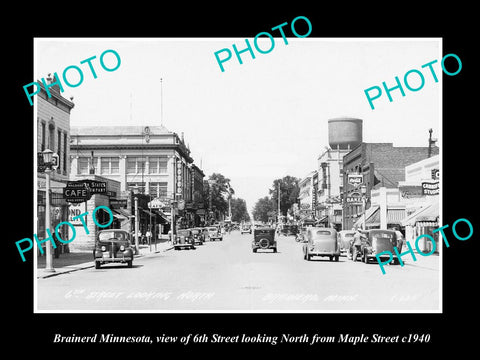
122, 212
429, 213
323, 219
372, 217
394, 216
162, 216
118, 215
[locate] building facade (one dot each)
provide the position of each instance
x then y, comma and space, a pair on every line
330, 186
151, 164
379, 165
53, 133
421, 194
307, 196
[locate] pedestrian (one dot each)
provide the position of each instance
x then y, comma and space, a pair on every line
357, 242
400, 239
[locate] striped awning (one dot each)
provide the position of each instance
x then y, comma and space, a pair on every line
372, 217
430, 213
394, 216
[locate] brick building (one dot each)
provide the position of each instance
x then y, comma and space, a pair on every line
381, 165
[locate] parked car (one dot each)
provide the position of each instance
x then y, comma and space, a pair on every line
113, 246
321, 242
264, 238
246, 229
376, 241
214, 233
344, 238
197, 236
183, 239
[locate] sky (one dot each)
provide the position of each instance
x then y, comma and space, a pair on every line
260, 120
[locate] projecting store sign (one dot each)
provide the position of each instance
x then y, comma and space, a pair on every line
355, 179
430, 188
82, 190
76, 192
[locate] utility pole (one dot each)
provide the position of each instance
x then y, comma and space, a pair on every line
161, 101
278, 210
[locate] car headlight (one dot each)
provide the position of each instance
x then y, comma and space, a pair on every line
122, 248
103, 248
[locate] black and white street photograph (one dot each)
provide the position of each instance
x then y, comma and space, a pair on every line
277, 179
276, 173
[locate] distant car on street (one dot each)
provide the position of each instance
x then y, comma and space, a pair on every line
321, 242
344, 238
246, 229
289, 229
183, 240
264, 238
214, 233
113, 246
197, 236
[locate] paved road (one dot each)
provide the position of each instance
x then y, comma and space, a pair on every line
228, 276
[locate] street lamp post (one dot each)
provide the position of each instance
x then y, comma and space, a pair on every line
49, 167
137, 224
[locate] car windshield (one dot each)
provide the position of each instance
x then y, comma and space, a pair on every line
348, 234
212, 229
112, 235
195, 231
323, 232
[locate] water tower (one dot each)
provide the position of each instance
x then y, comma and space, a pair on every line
344, 133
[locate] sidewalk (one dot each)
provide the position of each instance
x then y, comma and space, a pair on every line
69, 262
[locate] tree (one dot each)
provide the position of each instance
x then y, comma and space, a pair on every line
263, 209
289, 191
239, 210
220, 191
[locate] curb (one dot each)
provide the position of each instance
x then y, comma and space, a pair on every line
90, 264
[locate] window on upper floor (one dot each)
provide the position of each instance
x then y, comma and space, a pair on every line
85, 163
109, 165
135, 165
157, 164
